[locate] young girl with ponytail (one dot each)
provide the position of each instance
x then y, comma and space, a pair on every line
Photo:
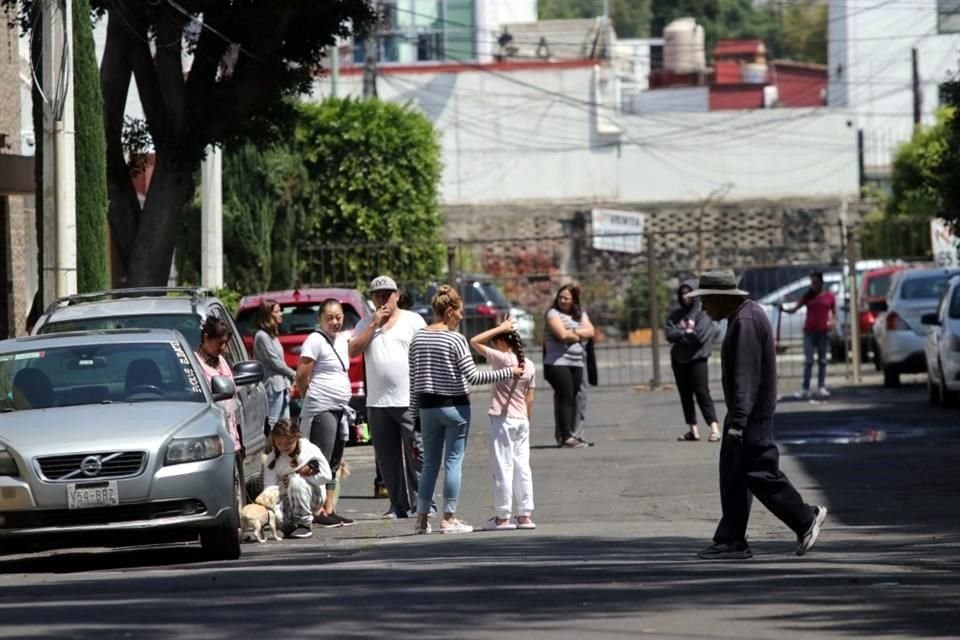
510, 407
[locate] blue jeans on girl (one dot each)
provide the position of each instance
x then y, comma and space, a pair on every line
442, 428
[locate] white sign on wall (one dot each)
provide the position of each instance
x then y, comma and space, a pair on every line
946, 246
614, 230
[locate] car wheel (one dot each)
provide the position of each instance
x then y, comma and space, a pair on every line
222, 542
838, 352
877, 359
933, 391
891, 377
948, 399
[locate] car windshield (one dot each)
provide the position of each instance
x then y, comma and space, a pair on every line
955, 304
923, 288
186, 323
97, 374
879, 285
297, 319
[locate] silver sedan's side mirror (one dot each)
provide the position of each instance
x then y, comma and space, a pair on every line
222, 388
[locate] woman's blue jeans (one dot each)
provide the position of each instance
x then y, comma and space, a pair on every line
444, 433
815, 344
278, 405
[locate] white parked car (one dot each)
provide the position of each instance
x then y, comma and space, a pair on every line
943, 347
791, 324
901, 337
525, 324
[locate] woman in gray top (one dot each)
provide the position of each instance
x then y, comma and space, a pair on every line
277, 376
563, 361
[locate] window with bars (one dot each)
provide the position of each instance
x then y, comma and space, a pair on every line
948, 16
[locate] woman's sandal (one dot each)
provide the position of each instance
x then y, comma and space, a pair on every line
714, 437
688, 437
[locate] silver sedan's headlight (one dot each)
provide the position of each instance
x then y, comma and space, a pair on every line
8, 467
193, 449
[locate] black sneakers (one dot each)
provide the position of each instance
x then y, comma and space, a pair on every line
724, 551
327, 521
808, 539
344, 522
300, 532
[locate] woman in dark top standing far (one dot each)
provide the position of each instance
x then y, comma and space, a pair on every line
567, 328
692, 333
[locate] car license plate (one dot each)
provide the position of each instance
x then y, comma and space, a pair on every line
84, 496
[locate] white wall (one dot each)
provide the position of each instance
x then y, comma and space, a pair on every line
491, 14
871, 72
531, 135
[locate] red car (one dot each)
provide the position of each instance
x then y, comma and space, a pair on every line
300, 310
873, 289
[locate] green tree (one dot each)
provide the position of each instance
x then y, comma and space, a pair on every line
797, 31
360, 180
91, 157
631, 18
804, 33
373, 172
262, 215
248, 58
949, 186
919, 165
636, 303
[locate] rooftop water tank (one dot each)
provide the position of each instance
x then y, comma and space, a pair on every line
683, 47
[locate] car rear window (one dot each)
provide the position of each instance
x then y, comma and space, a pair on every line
879, 285
186, 323
97, 374
923, 288
297, 319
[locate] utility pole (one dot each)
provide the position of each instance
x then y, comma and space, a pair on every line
211, 219
334, 69
371, 53
59, 178
917, 96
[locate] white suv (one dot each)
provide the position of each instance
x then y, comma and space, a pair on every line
943, 347
900, 334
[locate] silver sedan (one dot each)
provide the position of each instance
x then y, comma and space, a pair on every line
115, 437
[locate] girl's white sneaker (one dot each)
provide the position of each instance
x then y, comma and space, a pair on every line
454, 526
491, 525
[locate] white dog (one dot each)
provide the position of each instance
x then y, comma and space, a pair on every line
262, 512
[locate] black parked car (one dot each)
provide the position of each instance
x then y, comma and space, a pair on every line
484, 305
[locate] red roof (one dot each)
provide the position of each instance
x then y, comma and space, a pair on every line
750, 47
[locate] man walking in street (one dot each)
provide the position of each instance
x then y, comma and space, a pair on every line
749, 458
384, 339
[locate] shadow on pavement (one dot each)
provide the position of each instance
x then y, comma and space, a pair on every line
485, 582
889, 461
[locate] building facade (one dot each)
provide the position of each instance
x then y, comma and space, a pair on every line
18, 242
553, 132
871, 62
432, 31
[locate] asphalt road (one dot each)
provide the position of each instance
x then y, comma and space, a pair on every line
614, 554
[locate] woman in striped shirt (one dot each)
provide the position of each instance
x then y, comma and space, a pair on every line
441, 367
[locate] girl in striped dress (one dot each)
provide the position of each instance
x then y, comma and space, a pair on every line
441, 368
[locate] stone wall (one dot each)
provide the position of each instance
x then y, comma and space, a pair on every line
10, 126
532, 248
18, 223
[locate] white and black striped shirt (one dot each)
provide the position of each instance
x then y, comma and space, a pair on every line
441, 365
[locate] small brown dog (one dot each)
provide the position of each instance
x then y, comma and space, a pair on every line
260, 512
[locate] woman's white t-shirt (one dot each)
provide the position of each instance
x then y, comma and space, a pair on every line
329, 386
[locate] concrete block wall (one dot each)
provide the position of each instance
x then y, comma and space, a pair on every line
10, 125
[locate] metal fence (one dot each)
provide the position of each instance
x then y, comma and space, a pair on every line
628, 280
